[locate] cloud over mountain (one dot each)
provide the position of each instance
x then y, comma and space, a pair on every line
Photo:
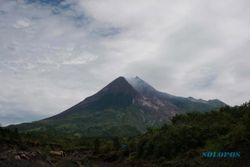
54, 53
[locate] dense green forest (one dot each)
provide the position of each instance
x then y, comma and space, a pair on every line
185, 138
217, 130
193, 133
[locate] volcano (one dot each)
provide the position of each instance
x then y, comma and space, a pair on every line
125, 107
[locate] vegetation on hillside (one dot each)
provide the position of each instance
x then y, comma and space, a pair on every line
187, 136
223, 130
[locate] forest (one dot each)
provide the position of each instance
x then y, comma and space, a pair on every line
174, 144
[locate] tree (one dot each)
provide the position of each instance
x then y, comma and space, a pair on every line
116, 143
97, 145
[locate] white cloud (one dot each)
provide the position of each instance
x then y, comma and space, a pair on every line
63, 53
22, 23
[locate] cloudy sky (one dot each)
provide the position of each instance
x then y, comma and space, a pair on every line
54, 53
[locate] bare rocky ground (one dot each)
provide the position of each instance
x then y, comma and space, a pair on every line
14, 156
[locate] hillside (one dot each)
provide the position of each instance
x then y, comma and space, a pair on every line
182, 142
125, 107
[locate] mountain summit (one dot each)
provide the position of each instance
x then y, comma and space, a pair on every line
117, 94
140, 85
125, 107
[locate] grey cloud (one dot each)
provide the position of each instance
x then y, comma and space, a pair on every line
63, 51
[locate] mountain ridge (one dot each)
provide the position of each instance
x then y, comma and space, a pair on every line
180, 102
125, 107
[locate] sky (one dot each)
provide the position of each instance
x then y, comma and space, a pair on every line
55, 53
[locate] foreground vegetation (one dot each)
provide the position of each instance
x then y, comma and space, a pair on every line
181, 141
217, 130
193, 133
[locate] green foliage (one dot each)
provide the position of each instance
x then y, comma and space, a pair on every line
132, 156
97, 145
215, 130
219, 130
10, 135
116, 143
109, 122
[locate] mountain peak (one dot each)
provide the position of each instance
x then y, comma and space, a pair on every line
118, 81
119, 85
117, 94
140, 85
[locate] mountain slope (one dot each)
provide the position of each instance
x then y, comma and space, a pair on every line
125, 107
110, 112
181, 103
118, 94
